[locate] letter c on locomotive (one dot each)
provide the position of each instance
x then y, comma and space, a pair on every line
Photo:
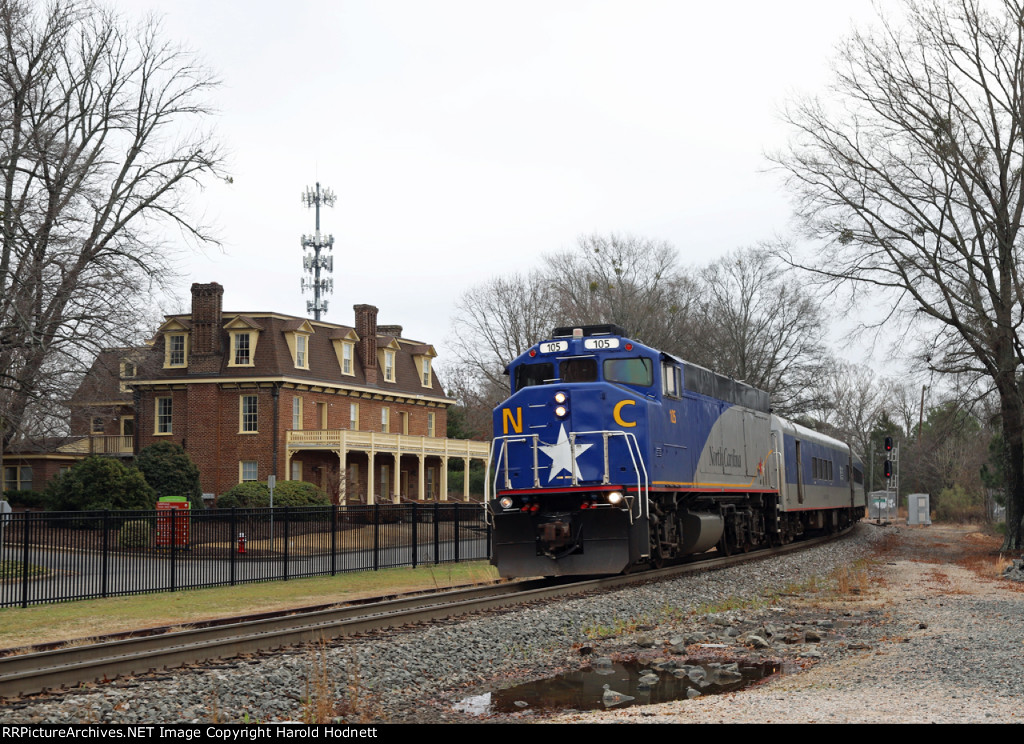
617, 414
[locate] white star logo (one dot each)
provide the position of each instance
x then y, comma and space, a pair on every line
561, 455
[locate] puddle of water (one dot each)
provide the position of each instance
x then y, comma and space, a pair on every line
619, 685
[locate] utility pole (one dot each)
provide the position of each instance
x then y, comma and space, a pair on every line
313, 262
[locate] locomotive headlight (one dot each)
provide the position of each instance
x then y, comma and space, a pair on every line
506, 502
562, 409
615, 498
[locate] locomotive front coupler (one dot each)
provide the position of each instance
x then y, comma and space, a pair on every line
559, 535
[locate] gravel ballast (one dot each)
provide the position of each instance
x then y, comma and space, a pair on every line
911, 638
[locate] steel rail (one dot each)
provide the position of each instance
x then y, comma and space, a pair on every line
35, 672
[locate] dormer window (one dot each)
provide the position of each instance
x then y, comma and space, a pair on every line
344, 341
297, 337
176, 347
244, 333
240, 349
347, 351
422, 356
176, 350
387, 357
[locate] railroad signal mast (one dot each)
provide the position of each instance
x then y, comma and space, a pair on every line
892, 473
313, 262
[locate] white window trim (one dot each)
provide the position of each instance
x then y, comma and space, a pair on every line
241, 471
297, 413
156, 416
183, 364
348, 355
253, 335
241, 414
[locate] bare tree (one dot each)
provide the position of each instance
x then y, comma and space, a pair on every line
911, 180
100, 145
760, 327
497, 321
632, 282
855, 399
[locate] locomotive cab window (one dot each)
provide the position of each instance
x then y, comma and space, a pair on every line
578, 370
528, 375
634, 371
671, 380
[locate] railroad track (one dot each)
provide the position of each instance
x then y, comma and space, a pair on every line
38, 671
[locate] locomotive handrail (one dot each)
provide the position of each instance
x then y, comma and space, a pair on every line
500, 463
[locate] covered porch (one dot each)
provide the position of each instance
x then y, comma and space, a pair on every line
367, 465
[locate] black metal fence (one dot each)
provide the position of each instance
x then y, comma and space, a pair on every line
57, 556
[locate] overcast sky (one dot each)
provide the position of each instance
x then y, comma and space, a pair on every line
466, 139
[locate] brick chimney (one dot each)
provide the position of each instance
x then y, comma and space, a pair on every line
390, 330
366, 329
207, 319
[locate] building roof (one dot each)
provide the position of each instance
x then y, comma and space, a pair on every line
274, 356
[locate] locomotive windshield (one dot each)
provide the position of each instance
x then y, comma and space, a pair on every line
638, 371
583, 369
635, 371
528, 375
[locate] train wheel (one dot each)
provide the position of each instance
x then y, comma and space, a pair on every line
725, 546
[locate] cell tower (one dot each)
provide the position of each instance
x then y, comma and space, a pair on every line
313, 262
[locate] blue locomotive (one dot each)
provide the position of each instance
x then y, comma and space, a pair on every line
609, 454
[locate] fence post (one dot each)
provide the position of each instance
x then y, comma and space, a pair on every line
286, 520
334, 539
232, 536
106, 550
456, 527
24, 561
437, 533
376, 536
415, 533
174, 548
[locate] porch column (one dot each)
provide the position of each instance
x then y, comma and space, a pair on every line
342, 475
465, 479
421, 493
370, 499
444, 478
396, 493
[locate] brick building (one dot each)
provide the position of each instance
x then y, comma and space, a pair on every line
356, 410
